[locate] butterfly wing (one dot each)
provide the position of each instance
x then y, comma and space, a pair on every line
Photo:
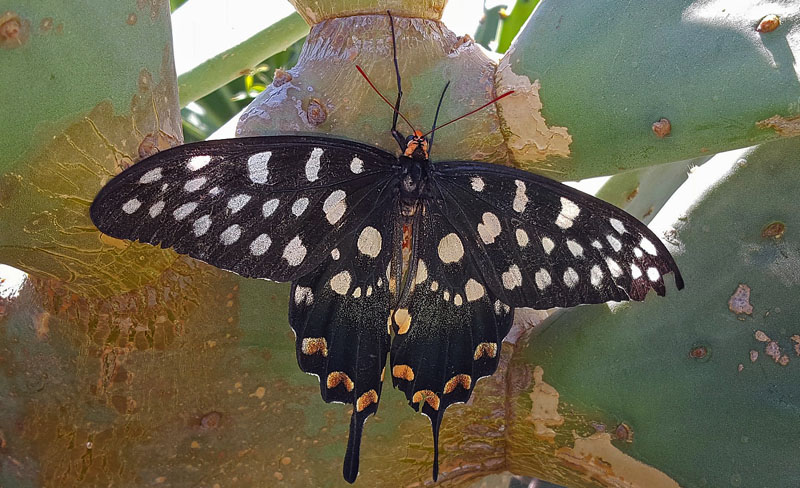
339, 314
449, 333
542, 244
263, 207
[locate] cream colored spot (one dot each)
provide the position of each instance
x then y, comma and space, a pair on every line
615, 244
334, 206
403, 371
403, 320
487, 349
230, 235
616, 271
195, 184
522, 237
520, 198
269, 207
156, 208
366, 400
335, 254
477, 183
299, 206
151, 176
512, 278
500, 307
450, 248
260, 245
571, 277
474, 290
596, 276
462, 380
446, 295
356, 166
648, 246
457, 300
489, 229
434, 285
340, 283
357, 292
337, 378
197, 162
422, 272
369, 290
575, 248
596, 244
542, 278
547, 245
313, 345
201, 225
238, 202
312, 165
184, 210
569, 211
294, 252
257, 167
131, 206
369, 242
303, 294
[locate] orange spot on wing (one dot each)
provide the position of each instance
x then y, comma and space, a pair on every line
366, 400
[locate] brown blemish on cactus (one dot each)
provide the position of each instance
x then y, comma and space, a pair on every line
739, 303
698, 352
785, 127
598, 459
761, 336
14, 31
316, 112
773, 230
662, 128
544, 407
210, 421
281, 77
153, 143
796, 340
131, 19
768, 24
529, 136
46, 24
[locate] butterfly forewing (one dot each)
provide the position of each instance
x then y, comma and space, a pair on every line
543, 244
267, 207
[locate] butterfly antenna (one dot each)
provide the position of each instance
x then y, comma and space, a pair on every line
396, 112
436, 117
397, 76
470, 113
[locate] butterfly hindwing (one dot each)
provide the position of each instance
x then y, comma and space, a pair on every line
449, 333
542, 244
339, 314
263, 207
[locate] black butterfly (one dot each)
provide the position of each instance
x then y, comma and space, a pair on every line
375, 245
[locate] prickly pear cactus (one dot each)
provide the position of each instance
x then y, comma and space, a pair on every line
128, 365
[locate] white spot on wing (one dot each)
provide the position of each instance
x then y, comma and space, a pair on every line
230, 235
269, 207
520, 198
156, 208
151, 176
596, 276
512, 278
451, 249
215, 191
197, 162
575, 248
637, 252
236, 203
547, 245
653, 274
596, 244
201, 225
489, 229
299, 206
648, 246
334, 206
569, 211
195, 184
303, 295
474, 290
312, 165
522, 237
422, 272
260, 245
131, 206
340, 283
616, 271
570, 277
294, 252
257, 167
617, 225
636, 272
542, 278
181, 212
477, 183
615, 244
356, 165
335, 254
369, 242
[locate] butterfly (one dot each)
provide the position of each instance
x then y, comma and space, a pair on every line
398, 256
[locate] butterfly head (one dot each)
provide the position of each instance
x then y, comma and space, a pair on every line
416, 146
